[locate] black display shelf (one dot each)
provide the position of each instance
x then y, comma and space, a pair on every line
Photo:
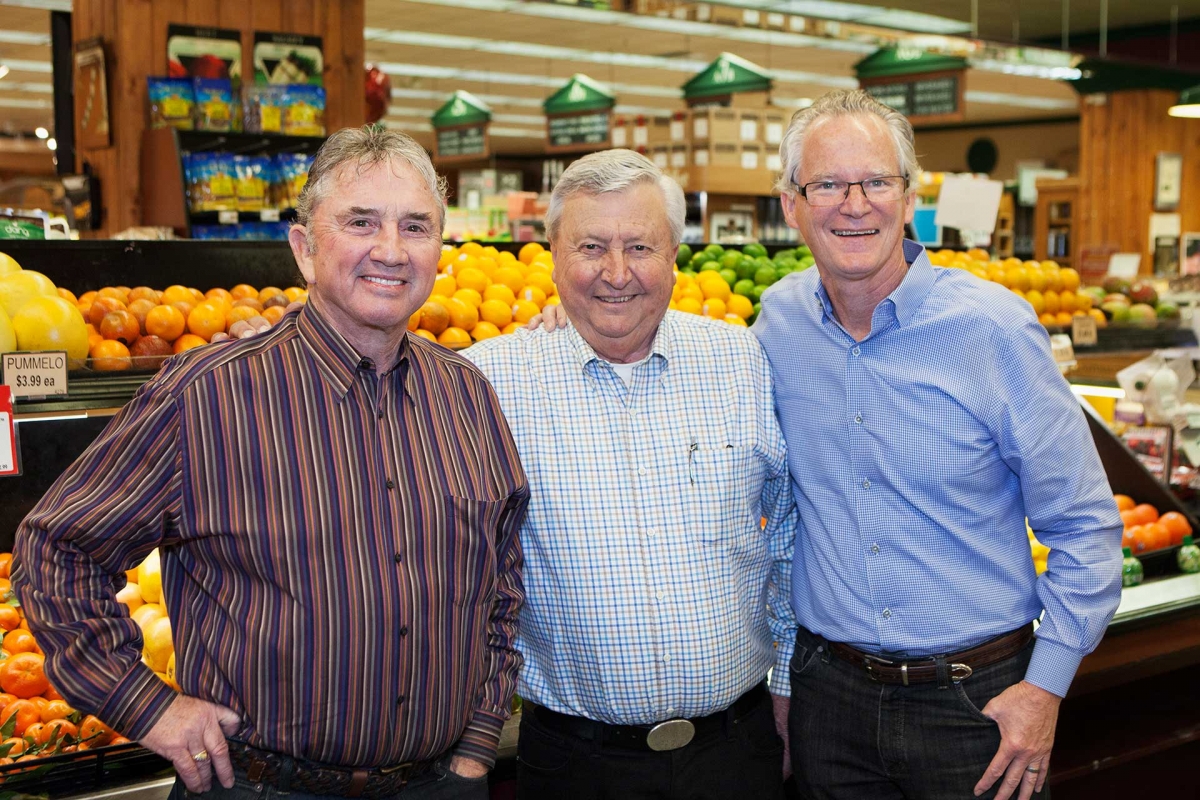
247, 143
90, 771
1113, 339
214, 217
86, 265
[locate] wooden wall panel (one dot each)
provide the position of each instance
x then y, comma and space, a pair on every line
1121, 135
135, 38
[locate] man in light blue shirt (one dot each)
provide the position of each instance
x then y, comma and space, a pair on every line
925, 420
656, 600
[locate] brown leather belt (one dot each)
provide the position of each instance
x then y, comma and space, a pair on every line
925, 670
292, 774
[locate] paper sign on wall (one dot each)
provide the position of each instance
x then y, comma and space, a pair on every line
1124, 265
969, 204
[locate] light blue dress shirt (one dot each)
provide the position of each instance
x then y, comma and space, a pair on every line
652, 590
916, 456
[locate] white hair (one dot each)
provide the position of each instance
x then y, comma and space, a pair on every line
842, 103
614, 171
364, 147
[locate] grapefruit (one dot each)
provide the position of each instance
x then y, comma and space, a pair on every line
51, 323
8, 264
8, 337
18, 288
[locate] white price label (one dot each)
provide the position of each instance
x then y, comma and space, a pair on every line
619, 136
749, 130
270, 215
227, 217
7, 444
677, 130
700, 128
1083, 331
36, 374
750, 160
774, 132
640, 136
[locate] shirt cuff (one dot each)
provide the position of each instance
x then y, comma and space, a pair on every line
779, 681
136, 702
1053, 666
481, 738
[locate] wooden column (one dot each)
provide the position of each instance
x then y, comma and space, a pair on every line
1120, 135
135, 39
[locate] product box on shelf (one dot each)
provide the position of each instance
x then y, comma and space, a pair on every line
713, 125
774, 123
751, 156
716, 154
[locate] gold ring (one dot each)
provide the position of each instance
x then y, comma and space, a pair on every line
201, 756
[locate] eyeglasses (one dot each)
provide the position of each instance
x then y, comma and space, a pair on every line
833, 193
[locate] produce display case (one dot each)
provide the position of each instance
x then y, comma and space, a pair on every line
1149, 649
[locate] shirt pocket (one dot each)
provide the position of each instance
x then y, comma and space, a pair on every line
468, 547
725, 484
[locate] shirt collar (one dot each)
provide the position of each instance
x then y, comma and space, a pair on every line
584, 354
336, 358
908, 296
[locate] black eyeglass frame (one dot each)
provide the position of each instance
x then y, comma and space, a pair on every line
803, 190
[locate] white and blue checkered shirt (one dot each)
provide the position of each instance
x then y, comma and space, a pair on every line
652, 590
918, 453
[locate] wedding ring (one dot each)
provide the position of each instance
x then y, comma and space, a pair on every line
1033, 769
201, 756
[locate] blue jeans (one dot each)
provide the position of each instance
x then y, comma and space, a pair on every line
440, 784
855, 739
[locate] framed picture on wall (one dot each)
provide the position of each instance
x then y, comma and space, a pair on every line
1168, 181
1189, 254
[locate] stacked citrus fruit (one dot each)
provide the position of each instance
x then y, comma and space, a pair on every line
35, 721
35, 315
1052, 290
140, 327
727, 284
481, 292
1146, 529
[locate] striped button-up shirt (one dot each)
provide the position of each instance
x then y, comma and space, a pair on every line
340, 556
919, 452
653, 590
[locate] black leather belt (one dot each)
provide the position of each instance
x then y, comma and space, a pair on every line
285, 773
667, 735
924, 670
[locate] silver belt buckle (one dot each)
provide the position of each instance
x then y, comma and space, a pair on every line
670, 735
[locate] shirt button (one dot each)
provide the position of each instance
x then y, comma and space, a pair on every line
401, 699
887, 613
633, 412
381, 415
404, 630
858, 419
866, 484
651, 532
660, 595
666, 657
641, 470
397, 558
875, 549
391, 484
364, 364
856, 351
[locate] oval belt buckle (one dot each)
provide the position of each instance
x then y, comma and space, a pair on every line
670, 735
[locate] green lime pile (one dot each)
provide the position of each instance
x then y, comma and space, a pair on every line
748, 271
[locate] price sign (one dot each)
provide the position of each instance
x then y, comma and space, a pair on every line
40, 374
8, 435
1083, 331
269, 215
227, 217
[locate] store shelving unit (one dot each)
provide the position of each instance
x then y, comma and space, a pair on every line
1055, 235
164, 185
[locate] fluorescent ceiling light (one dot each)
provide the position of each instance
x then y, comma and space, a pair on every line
32, 88
24, 65
42, 133
1021, 100
514, 79
17, 102
1029, 70
517, 133
523, 49
46, 5
24, 37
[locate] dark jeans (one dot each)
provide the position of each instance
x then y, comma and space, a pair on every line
853, 738
743, 761
441, 784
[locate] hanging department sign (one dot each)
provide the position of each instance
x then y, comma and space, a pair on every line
926, 88
461, 127
579, 117
726, 76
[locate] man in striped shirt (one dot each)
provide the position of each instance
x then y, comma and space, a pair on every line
657, 601
337, 505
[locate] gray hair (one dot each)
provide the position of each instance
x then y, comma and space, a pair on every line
365, 147
842, 103
615, 171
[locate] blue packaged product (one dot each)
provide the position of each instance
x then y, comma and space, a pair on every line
214, 104
252, 182
304, 111
171, 102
